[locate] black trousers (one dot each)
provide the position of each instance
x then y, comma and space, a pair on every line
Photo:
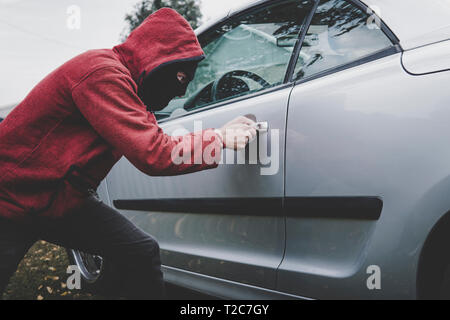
93, 228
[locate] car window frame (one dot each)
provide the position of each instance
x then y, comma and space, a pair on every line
394, 49
288, 80
285, 84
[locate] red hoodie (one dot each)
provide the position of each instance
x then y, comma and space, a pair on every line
86, 114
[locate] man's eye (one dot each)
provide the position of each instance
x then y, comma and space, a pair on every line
182, 78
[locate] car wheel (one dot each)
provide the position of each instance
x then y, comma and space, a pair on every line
433, 282
90, 265
97, 275
444, 293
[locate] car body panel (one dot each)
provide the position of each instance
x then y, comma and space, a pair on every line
222, 288
358, 133
211, 22
5, 110
246, 249
428, 59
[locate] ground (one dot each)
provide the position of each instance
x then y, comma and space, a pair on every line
42, 276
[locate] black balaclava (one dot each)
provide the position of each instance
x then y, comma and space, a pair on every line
162, 84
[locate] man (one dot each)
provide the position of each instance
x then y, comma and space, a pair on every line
63, 139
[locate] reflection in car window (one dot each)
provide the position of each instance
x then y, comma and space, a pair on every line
248, 53
339, 33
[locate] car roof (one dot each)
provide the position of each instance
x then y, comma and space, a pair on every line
414, 22
4, 110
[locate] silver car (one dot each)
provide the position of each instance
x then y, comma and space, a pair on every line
349, 192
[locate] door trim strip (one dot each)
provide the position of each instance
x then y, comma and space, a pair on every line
358, 208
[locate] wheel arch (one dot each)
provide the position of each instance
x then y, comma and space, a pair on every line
432, 262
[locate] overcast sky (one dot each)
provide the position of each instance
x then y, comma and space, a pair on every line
38, 36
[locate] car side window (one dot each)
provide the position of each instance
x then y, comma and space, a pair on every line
246, 54
339, 33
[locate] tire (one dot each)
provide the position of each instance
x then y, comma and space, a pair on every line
444, 293
433, 278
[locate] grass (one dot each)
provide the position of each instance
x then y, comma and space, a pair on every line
42, 276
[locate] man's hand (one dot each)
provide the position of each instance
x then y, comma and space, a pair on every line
238, 133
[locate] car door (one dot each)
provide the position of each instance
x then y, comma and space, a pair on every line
226, 223
334, 173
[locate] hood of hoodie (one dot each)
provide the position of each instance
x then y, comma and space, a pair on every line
163, 38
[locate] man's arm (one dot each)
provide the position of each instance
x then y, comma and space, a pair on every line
107, 99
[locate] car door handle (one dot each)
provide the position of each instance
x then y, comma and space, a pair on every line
262, 126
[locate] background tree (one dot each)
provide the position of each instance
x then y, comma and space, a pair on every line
189, 9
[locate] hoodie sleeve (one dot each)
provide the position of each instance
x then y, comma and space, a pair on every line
107, 99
